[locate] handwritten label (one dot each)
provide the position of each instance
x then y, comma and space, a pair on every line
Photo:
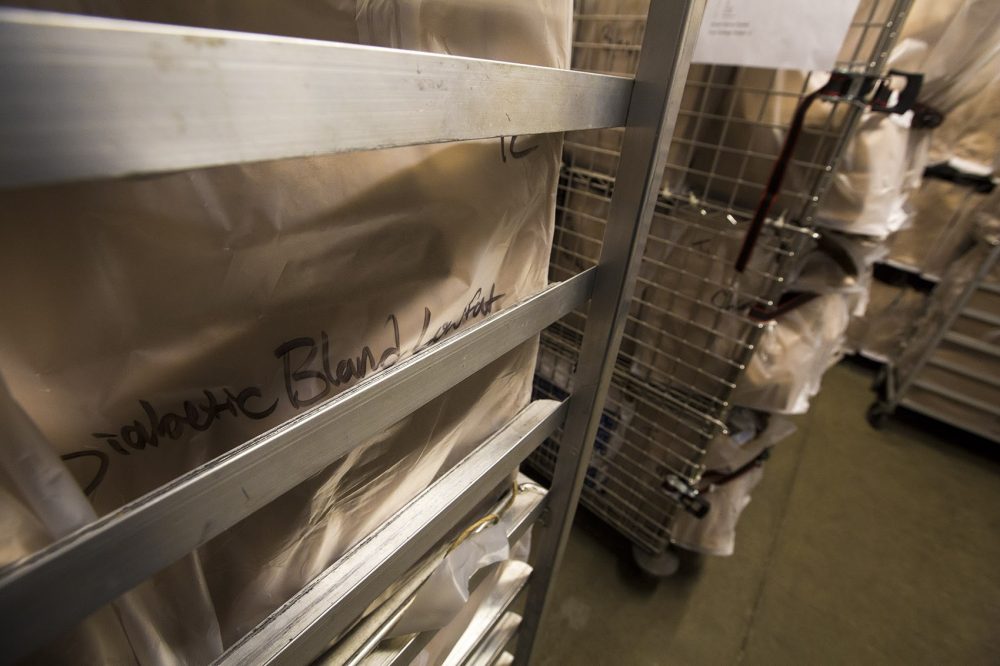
311, 374
514, 152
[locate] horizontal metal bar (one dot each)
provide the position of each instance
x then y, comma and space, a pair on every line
397, 655
970, 342
477, 635
913, 403
362, 644
957, 396
970, 372
873, 355
376, 626
981, 315
95, 564
494, 644
906, 267
616, 18
607, 46
989, 286
302, 628
88, 97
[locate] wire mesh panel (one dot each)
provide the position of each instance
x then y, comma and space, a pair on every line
695, 318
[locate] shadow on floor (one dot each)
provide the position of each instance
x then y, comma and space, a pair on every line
860, 546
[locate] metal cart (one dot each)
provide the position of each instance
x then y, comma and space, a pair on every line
948, 364
55, 128
690, 331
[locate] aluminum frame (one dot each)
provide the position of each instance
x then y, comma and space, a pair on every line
365, 645
154, 102
53, 129
909, 387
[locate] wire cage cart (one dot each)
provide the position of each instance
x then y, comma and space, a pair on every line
174, 98
696, 316
947, 363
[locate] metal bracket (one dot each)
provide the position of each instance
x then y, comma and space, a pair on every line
874, 92
686, 495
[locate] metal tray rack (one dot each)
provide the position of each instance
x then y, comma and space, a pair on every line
689, 333
948, 363
174, 98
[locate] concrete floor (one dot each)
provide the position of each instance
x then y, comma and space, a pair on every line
860, 547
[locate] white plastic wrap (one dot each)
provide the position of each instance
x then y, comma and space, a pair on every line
446, 591
161, 321
956, 44
877, 171
446, 639
727, 456
792, 355
841, 264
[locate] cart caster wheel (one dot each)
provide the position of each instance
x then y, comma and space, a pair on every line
877, 415
660, 565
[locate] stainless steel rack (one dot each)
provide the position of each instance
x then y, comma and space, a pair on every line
55, 127
947, 364
689, 333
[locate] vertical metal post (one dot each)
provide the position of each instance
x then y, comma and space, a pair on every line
671, 30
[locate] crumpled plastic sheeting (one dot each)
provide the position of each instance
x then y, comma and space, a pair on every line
842, 263
792, 355
960, 52
878, 169
446, 591
881, 165
160, 321
715, 533
445, 640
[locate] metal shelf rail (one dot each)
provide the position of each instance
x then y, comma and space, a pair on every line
88, 98
690, 334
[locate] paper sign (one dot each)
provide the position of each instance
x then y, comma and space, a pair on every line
778, 34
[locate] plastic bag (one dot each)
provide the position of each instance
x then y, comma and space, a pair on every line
715, 533
448, 637
447, 590
792, 355
874, 177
